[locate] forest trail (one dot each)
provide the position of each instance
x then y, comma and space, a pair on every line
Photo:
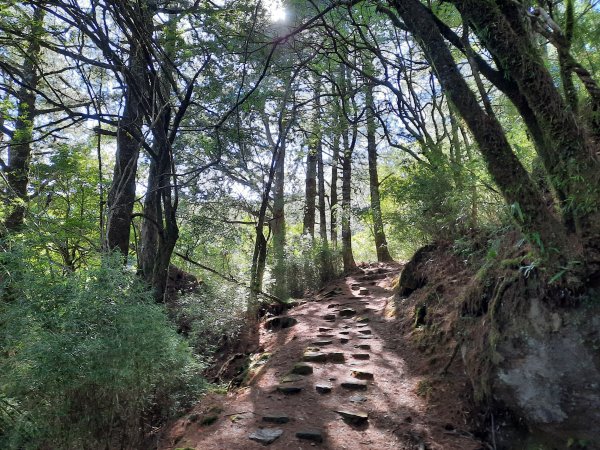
357, 386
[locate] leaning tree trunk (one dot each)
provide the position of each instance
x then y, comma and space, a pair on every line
19, 146
507, 171
383, 254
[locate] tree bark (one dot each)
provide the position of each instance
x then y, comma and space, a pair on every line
121, 196
507, 171
383, 254
310, 188
278, 225
19, 146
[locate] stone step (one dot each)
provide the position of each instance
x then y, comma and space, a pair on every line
361, 356
344, 340
266, 436
289, 389
311, 356
329, 317
310, 435
336, 357
363, 291
353, 384
325, 329
323, 388
363, 319
291, 378
362, 374
347, 312
358, 398
353, 417
325, 335
323, 343
301, 368
365, 331
364, 337
363, 346
276, 418
344, 332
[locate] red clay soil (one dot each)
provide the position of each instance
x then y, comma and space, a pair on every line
401, 413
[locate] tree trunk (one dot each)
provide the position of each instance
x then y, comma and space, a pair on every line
310, 188
278, 225
19, 147
121, 196
507, 171
326, 262
383, 254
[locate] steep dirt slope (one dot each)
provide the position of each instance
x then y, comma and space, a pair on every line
363, 386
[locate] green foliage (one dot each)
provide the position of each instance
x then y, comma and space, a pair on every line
87, 359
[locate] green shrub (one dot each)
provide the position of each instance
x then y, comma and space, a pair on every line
87, 360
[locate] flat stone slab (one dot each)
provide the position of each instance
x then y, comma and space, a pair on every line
358, 398
301, 368
266, 436
363, 291
344, 332
361, 356
325, 329
325, 335
347, 312
310, 435
329, 317
363, 346
364, 337
278, 322
353, 417
356, 385
336, 357
333, 305
314, 357
276, 418
362, 374
291, 378
363, 319
323, 343
289, 389
355, 287
344, 340
323, 388
366, 331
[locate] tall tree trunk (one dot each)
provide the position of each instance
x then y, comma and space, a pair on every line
19, 147
278, 225
335, 158
383, 254
346, 157
121, 196
506, 169
310, 188
326, 264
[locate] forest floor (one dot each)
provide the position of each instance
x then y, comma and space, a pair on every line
366, 369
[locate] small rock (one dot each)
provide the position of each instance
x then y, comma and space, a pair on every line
323, 388
353, 417
325, 329
344, 332
333, 305
314, 357
336, 357
363, 291
292, 378
362, 374
323, 343
329, 317
362, 319
357, 385
310, 435
302, 368
363, 346
347, 312
275, 323
364, 337
289, 389
355, 287
324, 335
366, 331
266, 436
344, 340
276, 418
358, 399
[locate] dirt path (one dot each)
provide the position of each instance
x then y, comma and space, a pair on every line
366, 372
